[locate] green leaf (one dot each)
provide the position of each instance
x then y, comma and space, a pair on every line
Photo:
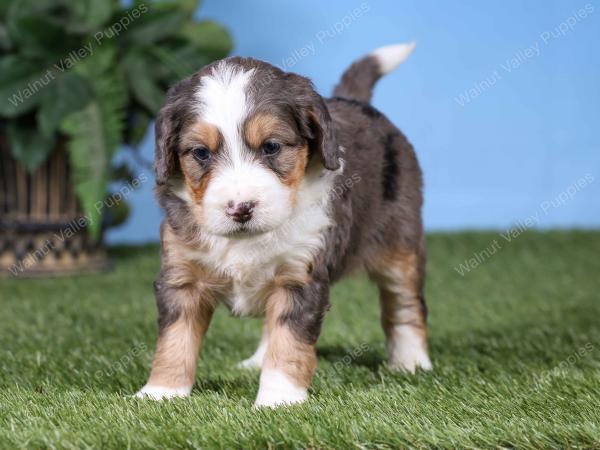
103, 59
138, 124
209, 37
40, 37
199, 44
71, 16
5, 42
188, 6
88, 16
20, 84
95, 133
145, 89
31, 7
178, 62
5, 6
154, 25
27, 145
68, 93
118, 213
89, 155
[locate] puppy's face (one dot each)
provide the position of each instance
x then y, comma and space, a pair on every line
240, 135
241, 168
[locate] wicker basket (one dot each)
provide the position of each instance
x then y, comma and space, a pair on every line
42, 227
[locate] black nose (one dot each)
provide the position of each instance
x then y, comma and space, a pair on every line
240, 212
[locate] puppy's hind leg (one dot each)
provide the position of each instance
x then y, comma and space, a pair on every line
400, 277
256, 360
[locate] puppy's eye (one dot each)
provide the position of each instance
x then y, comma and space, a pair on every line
270, 148
201, 154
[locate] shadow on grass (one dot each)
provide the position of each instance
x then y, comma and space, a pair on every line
367, 355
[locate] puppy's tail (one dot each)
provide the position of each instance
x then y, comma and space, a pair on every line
358, 80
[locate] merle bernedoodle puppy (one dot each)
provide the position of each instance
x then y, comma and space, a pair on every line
272, 193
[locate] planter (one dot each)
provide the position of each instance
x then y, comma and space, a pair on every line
42, 231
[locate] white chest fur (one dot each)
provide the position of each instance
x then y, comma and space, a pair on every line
250, 264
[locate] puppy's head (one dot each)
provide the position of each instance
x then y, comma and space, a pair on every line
238, 138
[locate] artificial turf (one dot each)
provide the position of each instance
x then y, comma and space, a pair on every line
515, 345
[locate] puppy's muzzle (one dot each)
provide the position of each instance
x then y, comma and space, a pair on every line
240, 212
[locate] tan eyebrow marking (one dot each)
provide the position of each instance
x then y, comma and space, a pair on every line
202, 133
262, 126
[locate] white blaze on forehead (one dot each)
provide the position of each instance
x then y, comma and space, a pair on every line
225, 104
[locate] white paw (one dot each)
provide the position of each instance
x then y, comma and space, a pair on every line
256, 360
410, 362
253, 362
276, 389
408, 352
162, 393
272, 398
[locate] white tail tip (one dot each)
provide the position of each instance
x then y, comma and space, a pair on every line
391, 56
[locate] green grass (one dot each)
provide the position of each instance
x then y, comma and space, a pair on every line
515, 344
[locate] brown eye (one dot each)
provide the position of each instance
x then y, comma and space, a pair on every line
201, 154
270, 148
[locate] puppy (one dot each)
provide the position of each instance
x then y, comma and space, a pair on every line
272, 193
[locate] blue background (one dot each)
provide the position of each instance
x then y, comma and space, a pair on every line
490, 163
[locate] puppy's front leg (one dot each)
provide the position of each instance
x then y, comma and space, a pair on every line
294, 318
184, 316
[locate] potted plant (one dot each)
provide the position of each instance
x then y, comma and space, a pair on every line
80, 80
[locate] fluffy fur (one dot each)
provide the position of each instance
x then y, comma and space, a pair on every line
272, 194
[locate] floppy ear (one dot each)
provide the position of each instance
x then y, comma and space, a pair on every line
323, 139
167, 129
164, 156
314, 121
